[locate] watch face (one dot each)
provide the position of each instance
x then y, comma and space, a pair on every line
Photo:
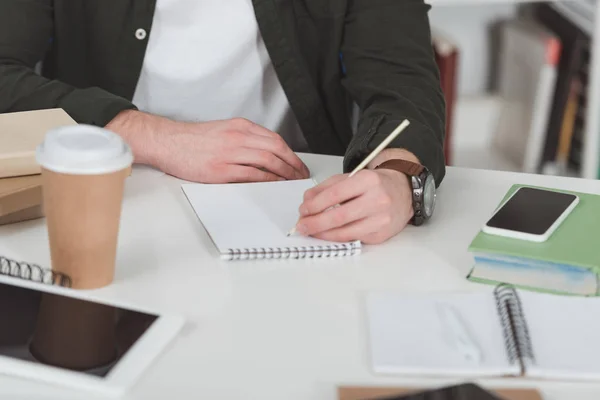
429, 196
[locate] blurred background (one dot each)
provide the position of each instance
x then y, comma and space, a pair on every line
522, 83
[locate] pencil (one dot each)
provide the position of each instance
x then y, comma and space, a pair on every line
372, 155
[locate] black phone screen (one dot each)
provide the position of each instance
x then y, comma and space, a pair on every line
531, 210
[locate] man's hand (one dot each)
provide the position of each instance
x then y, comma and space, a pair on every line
373, 207
235, 150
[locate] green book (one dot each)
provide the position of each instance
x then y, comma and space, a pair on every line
567, 263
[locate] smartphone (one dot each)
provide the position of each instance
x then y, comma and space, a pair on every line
531, 214
465, 391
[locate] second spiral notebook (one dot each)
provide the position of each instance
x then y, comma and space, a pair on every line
495, 333
250, 220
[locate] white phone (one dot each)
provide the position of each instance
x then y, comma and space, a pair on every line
531, 214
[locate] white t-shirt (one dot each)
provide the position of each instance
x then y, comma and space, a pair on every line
205, 61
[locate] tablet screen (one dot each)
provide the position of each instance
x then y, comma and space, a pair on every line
67, 333
466, 391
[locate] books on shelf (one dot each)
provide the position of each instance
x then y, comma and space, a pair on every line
543, 75
446, 56
527, 78
565, 129
567, 263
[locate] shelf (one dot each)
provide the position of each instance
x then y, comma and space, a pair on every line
579, 16
476, 118
482, 158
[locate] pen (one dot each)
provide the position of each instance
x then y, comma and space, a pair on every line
463, 340
372, 155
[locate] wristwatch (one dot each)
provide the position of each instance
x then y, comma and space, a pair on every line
422, 185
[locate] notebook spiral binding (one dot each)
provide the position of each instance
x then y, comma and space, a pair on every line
341, 250
32, 272
514, 325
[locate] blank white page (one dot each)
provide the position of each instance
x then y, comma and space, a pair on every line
565, 335
251, 215
408, 336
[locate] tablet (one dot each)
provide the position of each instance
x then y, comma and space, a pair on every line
61, 337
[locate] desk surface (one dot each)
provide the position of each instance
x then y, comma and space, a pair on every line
291, 329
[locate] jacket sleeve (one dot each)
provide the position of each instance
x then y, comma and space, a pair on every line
391, 74
26, 32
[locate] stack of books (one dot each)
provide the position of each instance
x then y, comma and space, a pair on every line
20, 175
567, 263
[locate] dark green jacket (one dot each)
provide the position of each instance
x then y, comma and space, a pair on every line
327, 54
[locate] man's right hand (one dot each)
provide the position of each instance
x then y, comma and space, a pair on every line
234, 150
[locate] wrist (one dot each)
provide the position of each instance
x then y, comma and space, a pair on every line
402, 186
393, 154
141, 131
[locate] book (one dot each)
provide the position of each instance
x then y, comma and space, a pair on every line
526, 82
446, 54
250, 220
20, 134
573, 43
500, 332
456, 392
567, 263
19, 198
568, 126
576, 150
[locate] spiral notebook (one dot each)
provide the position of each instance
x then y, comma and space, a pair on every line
251, 220
504, 331
32, 272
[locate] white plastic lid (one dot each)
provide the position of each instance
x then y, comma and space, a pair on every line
83, 150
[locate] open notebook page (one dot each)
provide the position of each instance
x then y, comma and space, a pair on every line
408, 335
251, 215
565, 335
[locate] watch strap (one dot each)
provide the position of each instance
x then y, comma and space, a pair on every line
407, 167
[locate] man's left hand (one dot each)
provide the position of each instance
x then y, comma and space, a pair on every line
372, 206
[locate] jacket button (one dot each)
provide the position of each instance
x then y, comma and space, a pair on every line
140, 34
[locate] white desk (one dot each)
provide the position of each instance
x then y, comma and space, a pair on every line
277, 329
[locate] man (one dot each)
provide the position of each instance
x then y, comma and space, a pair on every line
227, 90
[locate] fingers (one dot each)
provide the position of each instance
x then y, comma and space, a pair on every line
241, 174
337, 217
265, 160
278, 147
353, 231
311, 193
336, 193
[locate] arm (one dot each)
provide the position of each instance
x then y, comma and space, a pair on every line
213, 152
26, 28
392, 75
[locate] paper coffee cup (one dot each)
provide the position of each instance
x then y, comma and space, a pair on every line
83, 175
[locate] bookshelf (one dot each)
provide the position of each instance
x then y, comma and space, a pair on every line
591, 156
469, 106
